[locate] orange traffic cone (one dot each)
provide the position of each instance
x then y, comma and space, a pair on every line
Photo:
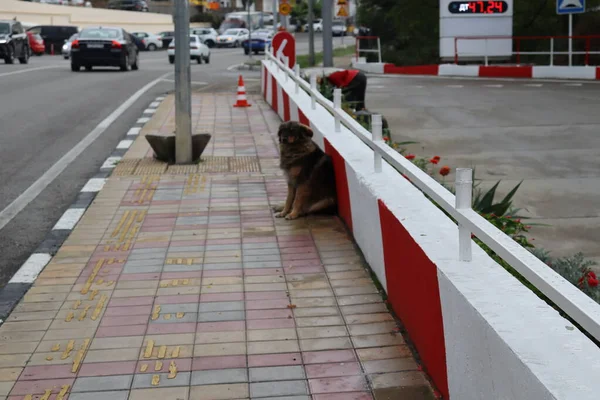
241, 95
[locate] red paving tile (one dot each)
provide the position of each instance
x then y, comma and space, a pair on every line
39, 386
179, 327
116, 331
131, 301
271, 323
338, 385
330, 356
274, 360
38, 372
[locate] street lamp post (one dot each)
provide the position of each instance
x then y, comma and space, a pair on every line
183, 93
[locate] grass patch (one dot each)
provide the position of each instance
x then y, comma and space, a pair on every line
302, 60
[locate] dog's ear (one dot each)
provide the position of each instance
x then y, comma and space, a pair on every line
305, 130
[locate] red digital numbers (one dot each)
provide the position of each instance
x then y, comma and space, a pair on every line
478, 7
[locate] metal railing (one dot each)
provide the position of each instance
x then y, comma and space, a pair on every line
359, 50
576, 304
518, 42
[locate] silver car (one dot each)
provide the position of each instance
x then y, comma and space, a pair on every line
66, 49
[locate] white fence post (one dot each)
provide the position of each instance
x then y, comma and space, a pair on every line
377, 128
286, 64
337, 105
464, 192
313, 90
486, 52
297, 73
379, 48
551, 52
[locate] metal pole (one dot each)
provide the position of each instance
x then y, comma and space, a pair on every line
249, 33
464, 192
327, 16
377, 130
570, 40
551, 52
275, 15
311, 34
183, 95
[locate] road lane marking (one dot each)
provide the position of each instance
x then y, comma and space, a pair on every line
14, 208
111, 162
124, 144
572, 84
534, 84
455, 86
493, 86
193, 82
22, 71
142, 120
69, 219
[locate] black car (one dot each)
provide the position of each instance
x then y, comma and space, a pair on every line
55, 36
128, 5
106, 47
14, 42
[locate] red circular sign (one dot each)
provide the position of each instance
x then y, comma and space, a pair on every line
284, 45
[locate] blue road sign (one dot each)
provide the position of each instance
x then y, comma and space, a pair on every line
564, 7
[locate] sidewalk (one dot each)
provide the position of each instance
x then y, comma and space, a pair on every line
178, 283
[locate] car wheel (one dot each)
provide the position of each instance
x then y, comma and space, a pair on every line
210, 44
24, 59
136, 65
88, 67
172, 59
10, 55
65, 57
152, 47
199, 59
207, 59
236, 44
125, 64
75, 67
246, 51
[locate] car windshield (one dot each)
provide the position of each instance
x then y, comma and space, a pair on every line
100, 34
231, 32
4, 29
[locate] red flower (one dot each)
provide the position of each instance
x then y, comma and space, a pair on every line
592, 282
386, 139
410, 156
445, 170
592, 275
435, 160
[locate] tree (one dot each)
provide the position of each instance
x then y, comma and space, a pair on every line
300, 10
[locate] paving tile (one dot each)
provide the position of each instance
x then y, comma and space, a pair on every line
106, 368
219, 392
221, 326
338, 385
222, 316
333, 343
38, 386
273, 347
278, 388
221, 306
110, 394
219, 376
218, 362
383, 353
377, 340
173, 393
142, 381
116, 342
5, 388
271, 334
10, 374
354, 396
270, 360
407, 393
281, 373
95, 384
333, 370
369, 318
331, 356
93, 356
319, 321
216, 349
220, 337
397, 379
373, 328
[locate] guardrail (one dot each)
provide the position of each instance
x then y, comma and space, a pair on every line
359, 50
576, 304
518, 41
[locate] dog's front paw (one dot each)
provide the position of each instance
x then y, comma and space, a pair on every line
292, 216
277, 209
281, 215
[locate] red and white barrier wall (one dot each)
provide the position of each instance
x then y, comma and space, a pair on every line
482, 71
480, 333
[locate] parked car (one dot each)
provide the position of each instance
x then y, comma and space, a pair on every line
207, 35
13, 42
66, 49
54, 35
338, 28
106, 47
128, 5
232, 37
150, 41
36, 44
317, 25
198, 50
166, 38
261, 41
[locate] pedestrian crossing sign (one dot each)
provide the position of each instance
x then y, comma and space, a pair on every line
564, 7
343, 12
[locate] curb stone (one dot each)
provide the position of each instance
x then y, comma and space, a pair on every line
24, 278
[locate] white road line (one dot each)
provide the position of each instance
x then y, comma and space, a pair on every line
455, 86
160, 98
111, 162
134, 131
69, 219
493, 86
142, 120
149, 111
54, 171
31, 268
534, 84
193, 82
94, 185
22, 71
154, 104
124, 144
572, 84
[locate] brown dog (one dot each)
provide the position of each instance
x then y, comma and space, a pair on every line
309, 172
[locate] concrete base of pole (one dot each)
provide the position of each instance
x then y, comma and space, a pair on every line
164, 146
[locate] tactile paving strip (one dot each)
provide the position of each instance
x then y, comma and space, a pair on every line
208, 164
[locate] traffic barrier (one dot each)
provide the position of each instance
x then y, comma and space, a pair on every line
242, 101
480, 333
483, 71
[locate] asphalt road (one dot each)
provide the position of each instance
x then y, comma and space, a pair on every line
545, 133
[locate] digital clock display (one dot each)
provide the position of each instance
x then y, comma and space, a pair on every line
478, 7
